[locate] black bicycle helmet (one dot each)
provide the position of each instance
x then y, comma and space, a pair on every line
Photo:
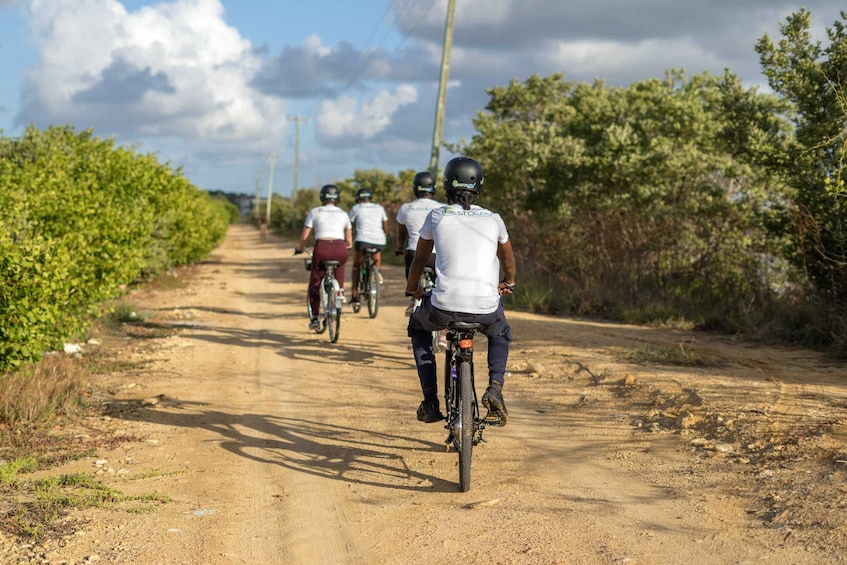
363, 194
423, 183
329, 193
463, 173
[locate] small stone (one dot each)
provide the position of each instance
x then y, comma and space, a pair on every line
724, 448
686, 420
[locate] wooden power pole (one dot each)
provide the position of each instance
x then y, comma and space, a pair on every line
271, 161
297, 121
442, 88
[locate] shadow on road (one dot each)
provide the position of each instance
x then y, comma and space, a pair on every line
352, 455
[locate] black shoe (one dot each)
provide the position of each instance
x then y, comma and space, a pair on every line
314, 324
493, 400
429, 412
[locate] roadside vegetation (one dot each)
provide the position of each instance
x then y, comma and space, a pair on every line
685, 200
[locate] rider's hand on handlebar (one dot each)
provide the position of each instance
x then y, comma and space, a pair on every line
417, 294
399, 252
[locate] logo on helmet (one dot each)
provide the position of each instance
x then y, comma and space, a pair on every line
469, 185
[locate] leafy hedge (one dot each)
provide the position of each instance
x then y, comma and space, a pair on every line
80, 218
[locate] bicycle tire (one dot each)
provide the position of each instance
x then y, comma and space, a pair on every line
466, 419
372, 287
333, 316
360, 289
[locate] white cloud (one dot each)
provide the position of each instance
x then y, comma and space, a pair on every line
605, 58
169, 69
348, 118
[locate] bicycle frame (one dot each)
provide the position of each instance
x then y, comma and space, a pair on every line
330, 302
464, 424
368, 287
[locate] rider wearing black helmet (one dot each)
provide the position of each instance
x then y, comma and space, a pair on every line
411, 217
333, 239
472, 248
371, 224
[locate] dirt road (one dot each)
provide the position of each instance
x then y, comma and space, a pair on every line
624, 444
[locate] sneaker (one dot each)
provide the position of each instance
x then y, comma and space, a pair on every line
493, 400
429, 412
354, 300
314, 324
442, 342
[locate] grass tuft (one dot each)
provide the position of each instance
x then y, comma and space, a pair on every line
676, 356
36, 393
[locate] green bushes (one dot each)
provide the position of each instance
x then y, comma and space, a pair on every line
80, 218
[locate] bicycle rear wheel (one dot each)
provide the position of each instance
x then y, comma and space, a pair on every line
360, 290
333, 315
466, 421
373, 291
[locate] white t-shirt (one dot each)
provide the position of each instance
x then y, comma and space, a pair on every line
369, 218
328, 221
466, 262
412, 215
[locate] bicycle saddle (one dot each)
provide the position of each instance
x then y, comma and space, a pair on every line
370, 250
330, 263
466, 326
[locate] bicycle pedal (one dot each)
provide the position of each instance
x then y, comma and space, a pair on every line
491, 420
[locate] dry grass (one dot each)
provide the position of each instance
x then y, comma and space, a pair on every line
34, 394
675, 356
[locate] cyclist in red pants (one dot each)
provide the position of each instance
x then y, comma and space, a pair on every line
333, 241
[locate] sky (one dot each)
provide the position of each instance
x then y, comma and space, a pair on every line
221, 88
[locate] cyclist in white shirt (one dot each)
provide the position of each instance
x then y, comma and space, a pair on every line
333, 240
371, 223
411, 217
472, 248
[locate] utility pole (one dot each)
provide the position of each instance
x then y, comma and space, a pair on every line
297, 121
442, 87
258, 200
271, 160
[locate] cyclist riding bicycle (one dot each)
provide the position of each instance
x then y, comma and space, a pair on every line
471, 246
371, 224
411, 217
333, 240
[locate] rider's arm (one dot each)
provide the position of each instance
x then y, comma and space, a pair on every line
507, 265
348, 237
422, 253
304, 237
402, 234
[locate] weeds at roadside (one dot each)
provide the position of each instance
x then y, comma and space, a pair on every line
35, 393
675, 356
45, 410
42, 503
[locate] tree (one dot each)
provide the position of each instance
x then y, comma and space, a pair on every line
653, 194
812, 77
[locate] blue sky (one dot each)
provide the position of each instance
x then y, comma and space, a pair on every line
213, 86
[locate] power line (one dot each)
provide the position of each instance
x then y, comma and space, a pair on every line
349, 79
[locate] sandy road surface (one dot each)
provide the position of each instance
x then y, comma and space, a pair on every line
277, 446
